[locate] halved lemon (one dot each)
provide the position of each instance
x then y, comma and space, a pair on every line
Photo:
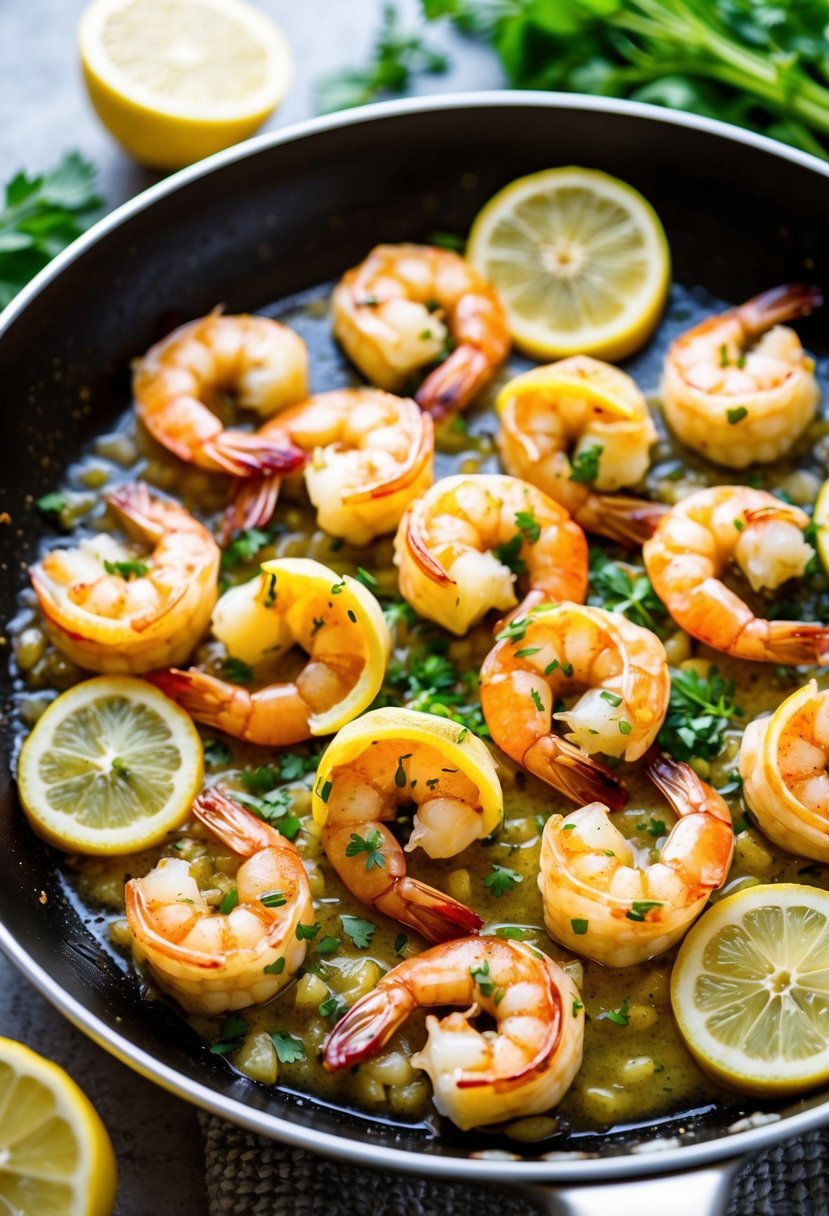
820, 519
750, 989
111, 767
174, 80
579, 259
55, 1154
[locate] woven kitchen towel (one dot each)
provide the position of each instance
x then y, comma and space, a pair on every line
249, 1176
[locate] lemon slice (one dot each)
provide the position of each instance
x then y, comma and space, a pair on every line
174, 80
820, 518
579, 259
454, 747
111, 767
750, 989
55, 1155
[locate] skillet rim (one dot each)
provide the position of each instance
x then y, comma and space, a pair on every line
719, 1148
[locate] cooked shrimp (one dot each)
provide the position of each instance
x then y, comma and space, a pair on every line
739, 387
783, 763
694, 545
523, 1067
605, 899
617, 670
393, 758
371, 455
111, 608
293, 603
212, 961
405, 306
263, 364
580, 429
458, 547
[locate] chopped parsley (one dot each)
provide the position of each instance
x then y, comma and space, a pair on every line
526, 651
585, 467
229, 902
502, 880
329, 945
237, 671
401, 945
400, 771
130, 569
288, 1048
579, 926
535, 697
700, 710
618, 1016
275, 968
371, 845
640, 908
244, 547
577, 1007
329, 1007
325, 789
624, 727
307, 932
654, 827
216, 753
366, 578
359, 931
52, 504
273, 899
514, 631
612, 698
515, 933
528, 526
232, 1035
120, 767
270, 595
626, 589
737, 414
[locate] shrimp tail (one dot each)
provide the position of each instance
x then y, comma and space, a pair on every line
237, 827
790, 643
368, 1026
779, 304
575, 774
454, 382
701, 846
252, 504
434, 915
133, 506
244, 455
202, 696
628, 521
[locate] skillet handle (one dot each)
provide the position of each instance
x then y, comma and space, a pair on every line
698, 1192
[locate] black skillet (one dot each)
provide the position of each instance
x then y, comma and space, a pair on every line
249, 227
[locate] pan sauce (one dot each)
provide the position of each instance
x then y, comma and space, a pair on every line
635, 1066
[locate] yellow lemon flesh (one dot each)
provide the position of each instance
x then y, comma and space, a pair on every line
820, 519
174, 80
56, 1158
750, 989
579, 259
454, 743
111, 767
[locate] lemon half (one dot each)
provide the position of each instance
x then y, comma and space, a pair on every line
111, 767
174, 80
56, 1156
579, 259
750, 989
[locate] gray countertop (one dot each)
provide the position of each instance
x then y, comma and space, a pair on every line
44, 113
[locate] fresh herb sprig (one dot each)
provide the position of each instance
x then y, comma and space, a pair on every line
626, 589
700, 711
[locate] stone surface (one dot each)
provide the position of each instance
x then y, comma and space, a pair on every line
45, 112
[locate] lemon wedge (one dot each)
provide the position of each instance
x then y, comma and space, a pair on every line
174, 80
820, 518
111, 767
452, 748
750, 989
55, 1154
579, 259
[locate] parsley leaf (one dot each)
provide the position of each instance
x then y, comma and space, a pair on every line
627, 589
237, 671
585, 467
700, 710
232, 1035
131, 569
217, 753
288, 1048
244, 547
502, 880
618, 1016
371, 845
360, 931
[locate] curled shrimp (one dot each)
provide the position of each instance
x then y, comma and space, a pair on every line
212, 961
111, 608
695, 544
393, 758
458, 547
523, 1067
300, 603
404, 306
739, 387
371, 454
618, 673
580, 429
263, 364
604, 897
783, 763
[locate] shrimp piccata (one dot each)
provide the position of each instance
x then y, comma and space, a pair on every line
738, 387
263, 364
404, 307
783, 763
580, 430
613, 676
212, 961
112, 607
605, 898
457, 549
695, 544
523, 1067
370, 455
393, 758
300, 603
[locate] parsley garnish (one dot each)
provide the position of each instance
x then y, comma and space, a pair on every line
328, 945
579, 926
371, 845
700, 711
401, 945
618, 1016
585, 467
514, 933
288, 1048
120, 767
244, 547
502, 880
273, 899
640, 908
232, 1035
216, 753
325, 789
528, 526
131, 569
307, 932
737, 414
229, 902
366, 578
655, 828
51, 504
625, 589
237, 671
400, 771
612, 698
275, 968
360, 931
